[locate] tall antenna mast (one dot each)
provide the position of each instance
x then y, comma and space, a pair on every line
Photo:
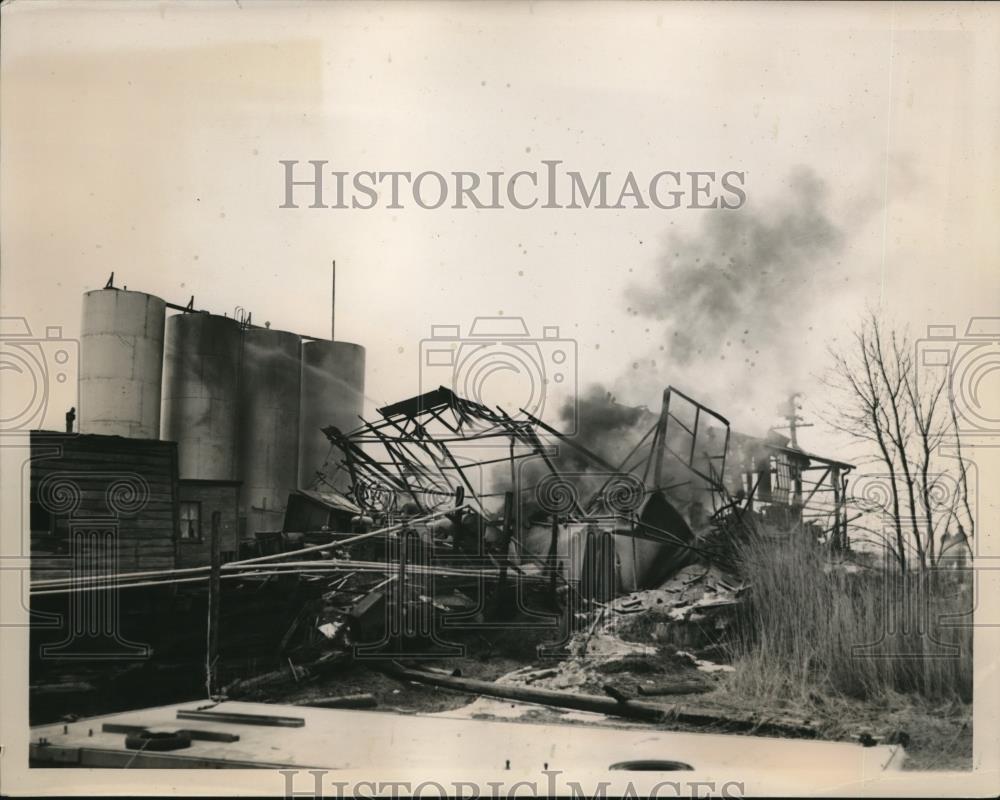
333, 300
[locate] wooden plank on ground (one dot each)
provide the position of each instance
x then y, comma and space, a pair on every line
243, 719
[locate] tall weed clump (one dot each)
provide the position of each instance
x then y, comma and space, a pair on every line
811, 625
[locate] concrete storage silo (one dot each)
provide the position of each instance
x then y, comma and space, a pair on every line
121, 363
201, 383
333, 391
269, 426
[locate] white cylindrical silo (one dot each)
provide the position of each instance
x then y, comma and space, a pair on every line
269, 426
201, 383
333, 391
121, 363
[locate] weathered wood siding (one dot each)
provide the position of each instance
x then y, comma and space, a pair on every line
220, 496
102, 500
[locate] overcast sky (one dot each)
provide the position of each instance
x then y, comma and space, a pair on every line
146, 139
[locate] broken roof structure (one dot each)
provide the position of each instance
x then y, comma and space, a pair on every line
534, 494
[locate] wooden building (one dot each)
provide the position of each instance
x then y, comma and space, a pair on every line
102, 504
204, 505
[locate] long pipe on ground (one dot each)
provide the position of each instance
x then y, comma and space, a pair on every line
581, 702
631, 709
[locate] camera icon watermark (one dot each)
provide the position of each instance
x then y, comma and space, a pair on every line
596, 493
872, 492
499, 362
77, 518
942, 518
920, 617
577, 526
971, 365
31, 367
941, 594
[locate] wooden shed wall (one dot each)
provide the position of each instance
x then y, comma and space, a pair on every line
87, 482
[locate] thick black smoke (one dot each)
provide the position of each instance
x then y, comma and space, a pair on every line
738, 301
744, 277
603, 426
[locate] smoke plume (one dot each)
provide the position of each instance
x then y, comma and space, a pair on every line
738, 301
604, 427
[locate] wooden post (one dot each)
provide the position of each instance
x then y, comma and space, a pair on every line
554, 556
835, 485
506, 533
659, 441
214, 587
503, 547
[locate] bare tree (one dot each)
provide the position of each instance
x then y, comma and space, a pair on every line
905, 416
924, 402
963, 471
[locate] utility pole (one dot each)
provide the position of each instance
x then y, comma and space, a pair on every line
794, 423
214, 598
794, 420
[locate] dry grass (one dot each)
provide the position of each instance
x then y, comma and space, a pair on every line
812, 627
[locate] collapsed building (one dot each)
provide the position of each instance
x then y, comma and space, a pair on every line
527, 493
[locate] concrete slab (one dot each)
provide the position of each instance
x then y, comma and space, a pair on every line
342, 739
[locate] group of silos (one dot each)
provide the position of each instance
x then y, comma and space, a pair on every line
243, 403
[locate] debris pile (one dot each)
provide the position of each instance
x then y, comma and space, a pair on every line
693, 608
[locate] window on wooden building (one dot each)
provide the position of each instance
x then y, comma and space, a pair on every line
49, 531
190, 512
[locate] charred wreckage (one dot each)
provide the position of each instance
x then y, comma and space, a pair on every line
443, 517
463, 517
